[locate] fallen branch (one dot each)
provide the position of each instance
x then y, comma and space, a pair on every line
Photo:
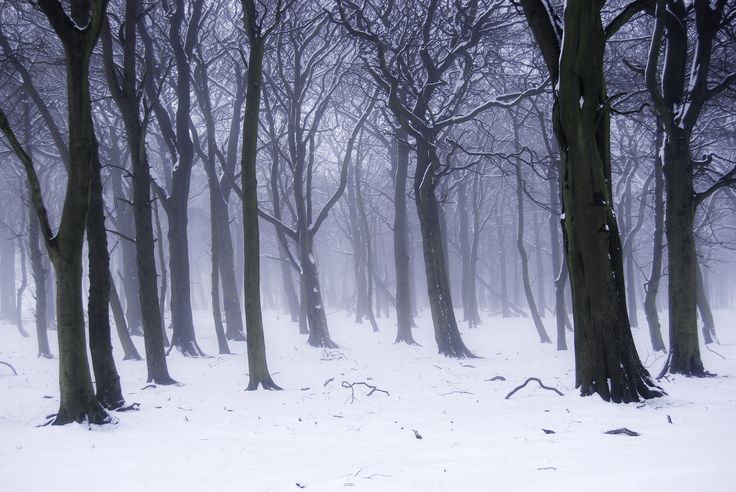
11, 367
541, 385
623, 430
372, 388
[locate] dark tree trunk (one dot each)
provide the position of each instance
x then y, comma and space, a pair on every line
125, 95
446, 333
109, 392
257, 365
683, 262
78, 400
607, 362
606, 359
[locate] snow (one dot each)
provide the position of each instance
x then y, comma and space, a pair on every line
209, 434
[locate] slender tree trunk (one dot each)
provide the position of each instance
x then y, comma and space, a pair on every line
125, 95
502, 276
39, 279
402, 262
523, 256
257, 364
121, 325
706, 315
164, 276
652, 286
21, 288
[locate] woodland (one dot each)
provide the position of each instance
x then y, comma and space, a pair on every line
192, 183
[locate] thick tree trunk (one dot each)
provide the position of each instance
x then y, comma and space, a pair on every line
446, 332
683, 262
314, 311
607, 362
183, 337
109, 392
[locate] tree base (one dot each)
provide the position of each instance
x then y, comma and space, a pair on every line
266, 382
323, 341
92, 413
237, 336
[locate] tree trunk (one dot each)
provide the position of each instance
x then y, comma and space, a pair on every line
39, 280
652, 286
109, 392
683, 267
446, 333
523, 256
706, 315
468, 294
402, 261
121, 326
125, 95
607, 362
502, 276
257, 364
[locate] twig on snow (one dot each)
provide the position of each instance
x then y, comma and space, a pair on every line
372, 388
541, 385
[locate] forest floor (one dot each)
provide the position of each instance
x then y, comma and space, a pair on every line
210, 434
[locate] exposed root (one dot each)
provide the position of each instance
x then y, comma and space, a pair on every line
541, 385
15, 373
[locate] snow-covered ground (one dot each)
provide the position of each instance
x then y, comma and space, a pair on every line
209, 434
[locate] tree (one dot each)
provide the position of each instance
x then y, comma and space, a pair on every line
680, 95
123, 85
606, 360
257, 33
78, 33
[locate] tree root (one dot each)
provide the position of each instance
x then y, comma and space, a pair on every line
529, 380
15, 373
